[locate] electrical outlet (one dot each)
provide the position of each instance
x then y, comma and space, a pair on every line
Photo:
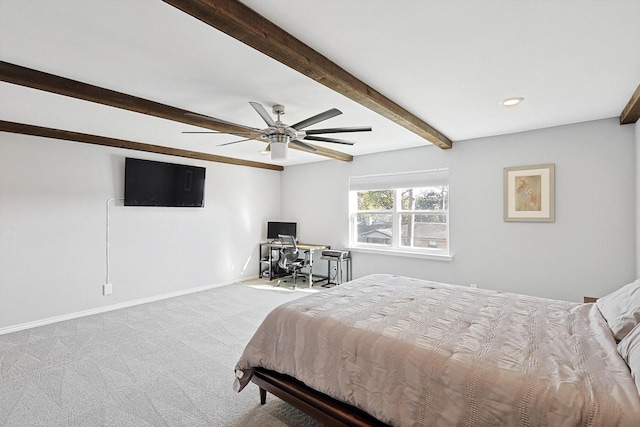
107, 289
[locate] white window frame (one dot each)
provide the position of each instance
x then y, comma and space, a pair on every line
398, 182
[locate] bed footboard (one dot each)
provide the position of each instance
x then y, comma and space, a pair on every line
325, 409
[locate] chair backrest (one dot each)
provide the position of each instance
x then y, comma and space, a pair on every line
288, 240
289, 252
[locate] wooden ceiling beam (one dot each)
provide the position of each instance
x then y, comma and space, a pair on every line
16, 74
24, 129
19, 75
242, 23
631, 113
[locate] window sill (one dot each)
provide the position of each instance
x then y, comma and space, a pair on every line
407, 254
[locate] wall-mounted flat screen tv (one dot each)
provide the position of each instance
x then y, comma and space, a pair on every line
274, 229
151, 183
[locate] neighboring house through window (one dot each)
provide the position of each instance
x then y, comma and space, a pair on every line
401, 212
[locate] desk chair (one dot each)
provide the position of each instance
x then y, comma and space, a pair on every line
289, 260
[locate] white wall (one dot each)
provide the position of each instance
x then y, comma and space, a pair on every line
53, 205
588, 250
53, 198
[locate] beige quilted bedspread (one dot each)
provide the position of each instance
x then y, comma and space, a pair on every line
417, 353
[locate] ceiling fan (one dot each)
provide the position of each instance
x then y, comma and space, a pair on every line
280, 135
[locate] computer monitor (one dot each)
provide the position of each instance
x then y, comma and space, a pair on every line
275, 228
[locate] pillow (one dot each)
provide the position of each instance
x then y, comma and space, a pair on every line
621, 309
629, 349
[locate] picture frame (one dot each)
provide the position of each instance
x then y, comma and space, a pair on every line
529, 193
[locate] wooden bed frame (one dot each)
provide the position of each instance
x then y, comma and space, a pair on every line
325, 409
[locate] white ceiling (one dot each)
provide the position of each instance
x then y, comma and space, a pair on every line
448, 62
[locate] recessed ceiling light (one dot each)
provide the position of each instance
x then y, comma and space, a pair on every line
510, 102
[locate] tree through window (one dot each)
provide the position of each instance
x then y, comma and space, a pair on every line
401, 211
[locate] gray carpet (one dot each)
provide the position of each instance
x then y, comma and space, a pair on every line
167, 363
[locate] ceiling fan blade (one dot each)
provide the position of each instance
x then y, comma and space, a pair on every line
263, 113
305, 147
327, 152
338, 130
317, 118
325, 139
213, 119
234, 142
255, 134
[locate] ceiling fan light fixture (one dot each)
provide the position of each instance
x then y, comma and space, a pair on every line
511, 102
278, 150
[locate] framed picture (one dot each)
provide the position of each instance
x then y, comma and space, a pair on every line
529, 193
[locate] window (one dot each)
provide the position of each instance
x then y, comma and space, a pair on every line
404, 212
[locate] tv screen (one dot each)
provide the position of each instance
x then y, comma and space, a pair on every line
150, 183
276, 228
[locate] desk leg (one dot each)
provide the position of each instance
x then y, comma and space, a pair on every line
260, 264
310, 268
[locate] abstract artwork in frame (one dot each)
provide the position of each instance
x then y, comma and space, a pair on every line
529, 193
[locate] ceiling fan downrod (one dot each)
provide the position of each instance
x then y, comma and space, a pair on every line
278, 110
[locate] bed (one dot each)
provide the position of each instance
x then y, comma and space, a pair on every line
391, 350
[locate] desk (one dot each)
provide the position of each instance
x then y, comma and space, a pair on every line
339, 260
272, 247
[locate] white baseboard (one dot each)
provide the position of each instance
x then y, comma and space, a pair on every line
50, 320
